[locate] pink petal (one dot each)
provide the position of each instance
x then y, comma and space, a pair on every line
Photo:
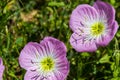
82, 14
28, 56
105, 40
1, 68
56, 47
33, 75
108, 10
80, 45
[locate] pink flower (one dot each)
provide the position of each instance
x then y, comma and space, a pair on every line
1, 68
45, 61
92, 26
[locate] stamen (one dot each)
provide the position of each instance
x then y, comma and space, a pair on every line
97, 29
47, 64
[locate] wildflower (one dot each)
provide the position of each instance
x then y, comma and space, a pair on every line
1, 68
93, 26
44, 61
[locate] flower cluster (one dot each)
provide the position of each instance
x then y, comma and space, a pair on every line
93, 26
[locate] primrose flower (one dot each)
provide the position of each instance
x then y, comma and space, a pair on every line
93, 26
1, 68
45, 61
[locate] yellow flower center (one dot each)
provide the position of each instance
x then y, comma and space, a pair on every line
47, 64
97, 29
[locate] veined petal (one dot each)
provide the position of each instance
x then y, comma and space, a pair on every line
106, 10
80, 45
56, 76
83, 16
105, 39
56, 47
62, 68
29, 55
114, 28
33, 75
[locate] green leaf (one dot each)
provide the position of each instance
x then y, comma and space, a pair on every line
19, 40
112, 1
117, 57
58, 4
112, 66
85, 54
116, 72
105, 59
117, 78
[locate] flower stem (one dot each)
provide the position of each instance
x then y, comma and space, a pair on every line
77, 66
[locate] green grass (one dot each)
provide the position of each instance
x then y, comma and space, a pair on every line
22, 21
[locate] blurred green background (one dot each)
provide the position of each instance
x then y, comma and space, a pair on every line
22, 21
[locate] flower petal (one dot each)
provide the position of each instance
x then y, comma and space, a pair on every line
82, 16
62, 70
62, 67
105, 9
1, 62
1, 71
79, 44
104, 40
1, 68
33, 75
56, 76
29, 55
56, 47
